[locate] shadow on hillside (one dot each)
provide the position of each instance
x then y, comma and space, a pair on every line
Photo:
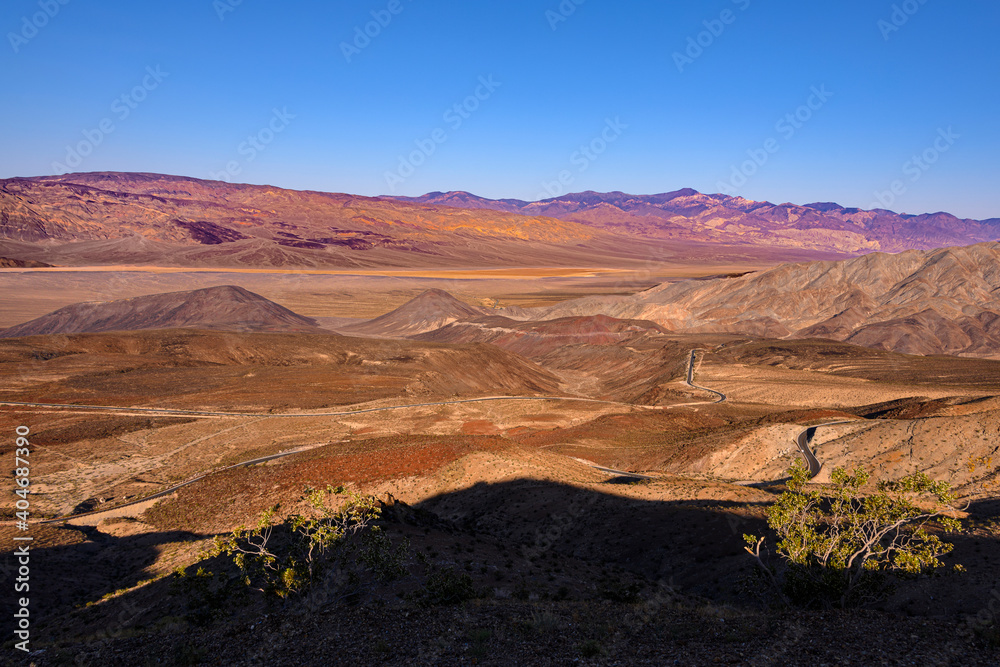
696, 544
93, 565
695, 547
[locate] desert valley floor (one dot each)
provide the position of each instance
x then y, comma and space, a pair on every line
597, 502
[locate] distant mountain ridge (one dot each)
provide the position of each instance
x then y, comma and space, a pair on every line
107, 218
688, 215
104, 218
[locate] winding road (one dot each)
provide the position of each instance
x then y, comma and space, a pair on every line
690, 380
803, 440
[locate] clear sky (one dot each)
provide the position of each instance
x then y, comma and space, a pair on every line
663, 95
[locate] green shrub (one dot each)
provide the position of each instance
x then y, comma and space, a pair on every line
291, 557
839, 550
447, 586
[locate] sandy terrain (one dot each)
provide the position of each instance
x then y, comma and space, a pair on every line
809, 389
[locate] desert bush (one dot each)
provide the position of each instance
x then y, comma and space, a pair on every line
207, 594
839, 550
290, 557
447, 586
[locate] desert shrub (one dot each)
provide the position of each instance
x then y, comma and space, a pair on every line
447, 586
840, 550
334, 546
207, 594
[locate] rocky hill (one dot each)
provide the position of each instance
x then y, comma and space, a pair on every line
227, 308
936, 302
429, 311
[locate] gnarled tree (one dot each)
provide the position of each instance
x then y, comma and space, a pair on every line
838, 549
291, 557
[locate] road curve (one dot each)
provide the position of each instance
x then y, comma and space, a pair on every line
621, 473
690, 380
803, 440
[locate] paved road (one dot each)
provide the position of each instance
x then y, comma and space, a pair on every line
177, 412
168, 491
622, 473
805, 437
690, 380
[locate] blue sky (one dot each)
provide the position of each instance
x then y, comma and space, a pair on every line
552, 96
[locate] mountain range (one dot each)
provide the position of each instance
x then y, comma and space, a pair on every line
156, 220
920, 302
109, 218
688, 215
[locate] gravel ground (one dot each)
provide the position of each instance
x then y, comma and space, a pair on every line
507, 632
